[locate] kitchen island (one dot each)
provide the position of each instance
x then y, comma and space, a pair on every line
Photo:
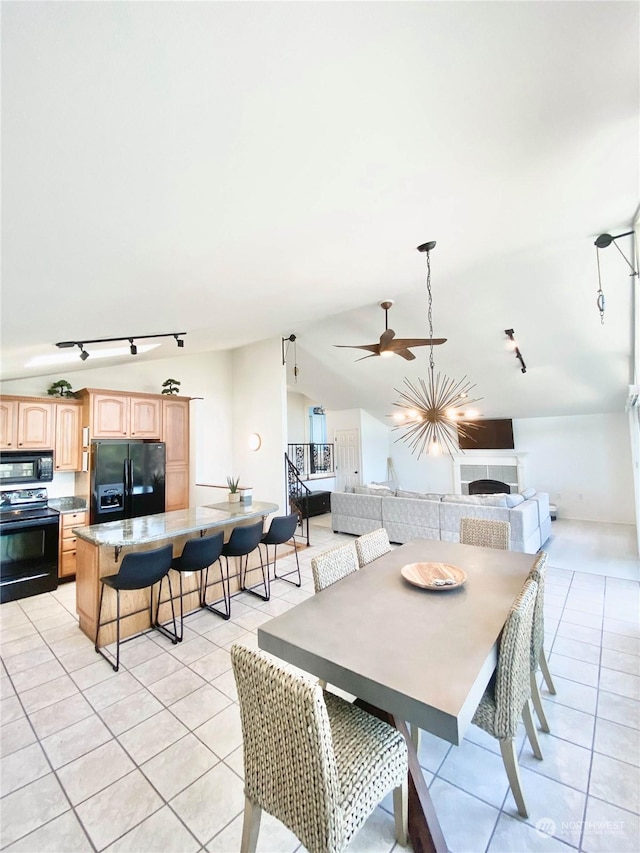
101, 547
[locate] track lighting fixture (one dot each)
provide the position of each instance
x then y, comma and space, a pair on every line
514, 346
133, 349
601, 242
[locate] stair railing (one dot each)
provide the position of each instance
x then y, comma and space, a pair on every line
298, 494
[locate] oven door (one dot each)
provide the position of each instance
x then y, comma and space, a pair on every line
28, 557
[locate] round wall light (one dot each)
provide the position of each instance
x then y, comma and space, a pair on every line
255, 441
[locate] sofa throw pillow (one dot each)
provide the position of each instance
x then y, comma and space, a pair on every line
528, 493
499, 500
378, 491
514, 500
401, 493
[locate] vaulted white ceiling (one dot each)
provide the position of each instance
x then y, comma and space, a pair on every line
245, 170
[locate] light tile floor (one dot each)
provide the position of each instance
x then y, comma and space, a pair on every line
150, 759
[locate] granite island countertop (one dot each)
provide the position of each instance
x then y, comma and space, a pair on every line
166, 525
68, 504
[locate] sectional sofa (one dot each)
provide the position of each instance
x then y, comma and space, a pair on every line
411, 515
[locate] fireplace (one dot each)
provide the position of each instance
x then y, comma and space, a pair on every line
505, 468
488, 487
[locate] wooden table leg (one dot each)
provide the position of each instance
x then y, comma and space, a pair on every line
424, 828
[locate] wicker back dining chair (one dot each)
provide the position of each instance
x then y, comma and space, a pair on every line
314, 761
333, 565
372, 545
506, 699
538, 657
485, 532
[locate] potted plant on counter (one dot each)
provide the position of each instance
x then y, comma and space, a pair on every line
234, 494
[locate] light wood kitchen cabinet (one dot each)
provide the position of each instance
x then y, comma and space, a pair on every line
145, 417
8, 424
175, 431
68, 540
175, 434
68, 444
176, 489
109, 416
35, 425
114, 415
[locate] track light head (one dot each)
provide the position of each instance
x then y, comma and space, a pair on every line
133, 348
179, 341
84, 355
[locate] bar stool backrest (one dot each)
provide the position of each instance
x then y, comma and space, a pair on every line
281, 529
243, 540
144, 568
200, 553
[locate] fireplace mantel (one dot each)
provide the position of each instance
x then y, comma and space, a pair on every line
505, 465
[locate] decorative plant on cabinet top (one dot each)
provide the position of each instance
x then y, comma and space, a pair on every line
171, 386
61, 388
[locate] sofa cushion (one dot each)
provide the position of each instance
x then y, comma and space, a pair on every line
514, 500
499, 500
528, 493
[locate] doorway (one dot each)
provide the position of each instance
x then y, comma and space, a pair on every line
347, 458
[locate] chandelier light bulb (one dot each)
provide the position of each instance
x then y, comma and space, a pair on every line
434, 448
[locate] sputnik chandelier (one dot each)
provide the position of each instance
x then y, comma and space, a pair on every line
431, 411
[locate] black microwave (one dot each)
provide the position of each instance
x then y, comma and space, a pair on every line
26, 466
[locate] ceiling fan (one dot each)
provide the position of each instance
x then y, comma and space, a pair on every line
390, 345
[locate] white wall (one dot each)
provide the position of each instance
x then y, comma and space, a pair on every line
584, 462
375, 448
260, 405
298, 418
427, 474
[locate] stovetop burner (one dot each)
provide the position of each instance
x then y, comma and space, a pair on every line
25, 504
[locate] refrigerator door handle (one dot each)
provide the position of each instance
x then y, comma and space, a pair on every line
125, 476
131, 476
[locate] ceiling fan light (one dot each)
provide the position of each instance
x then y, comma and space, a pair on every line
386, 353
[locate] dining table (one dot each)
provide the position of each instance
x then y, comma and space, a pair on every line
412, 654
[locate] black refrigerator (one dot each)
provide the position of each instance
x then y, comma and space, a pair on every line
127, 479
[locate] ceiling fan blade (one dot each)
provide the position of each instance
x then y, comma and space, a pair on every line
417, 342
405, 353
374, 348
368, 356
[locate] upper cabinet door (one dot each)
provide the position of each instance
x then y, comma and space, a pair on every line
8, 424
35, 426
68, 449
175, 431
110, 416
145, 417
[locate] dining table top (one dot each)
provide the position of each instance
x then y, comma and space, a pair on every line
423, 655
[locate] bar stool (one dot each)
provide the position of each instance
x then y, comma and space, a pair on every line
281, 530
197, 555
137, 571
242, 542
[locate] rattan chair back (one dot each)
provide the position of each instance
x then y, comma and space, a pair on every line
372, 545
333, 565
485, 532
